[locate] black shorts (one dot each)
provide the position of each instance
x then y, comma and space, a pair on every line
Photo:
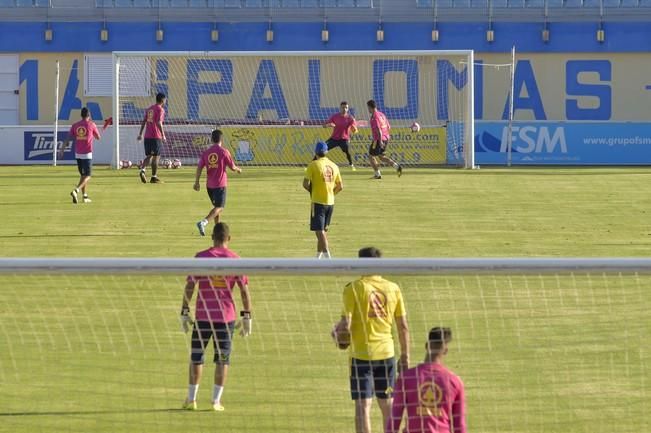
85, 166
217, 196
343, 144
222, 336
372, 377
320, 217
153, 146
378, 148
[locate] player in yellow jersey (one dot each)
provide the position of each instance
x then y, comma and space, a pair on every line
323, 181
372, 305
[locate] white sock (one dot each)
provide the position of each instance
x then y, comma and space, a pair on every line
192, 392
204, 222
143, 169
396, 165
319, 255
327, 254
217, 393
377, 173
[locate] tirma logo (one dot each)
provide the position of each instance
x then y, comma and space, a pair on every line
525, 139
39, 145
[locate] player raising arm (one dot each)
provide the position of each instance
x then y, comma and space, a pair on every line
216, 158
154, 137
380, 128
432, 395
83, 133
343, 123
215, 318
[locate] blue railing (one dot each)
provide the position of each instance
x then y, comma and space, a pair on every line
229, 3
519, 4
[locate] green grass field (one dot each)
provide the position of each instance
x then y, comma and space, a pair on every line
537, 354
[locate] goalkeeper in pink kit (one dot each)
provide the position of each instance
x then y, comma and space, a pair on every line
432, 395
215, 318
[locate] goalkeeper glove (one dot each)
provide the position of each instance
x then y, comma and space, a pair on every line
245, 324
186, 320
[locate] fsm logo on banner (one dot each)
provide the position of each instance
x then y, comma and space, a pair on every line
534, 139
39, 145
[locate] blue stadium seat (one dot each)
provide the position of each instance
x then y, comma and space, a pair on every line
310, 3
555, 3
424, 3
232, 3
573, 4
42, 3
500, 3
328, 3
591, 3
123, 3
24, 3
629, 3
7, 3
461, 3
364, 3
645, 3
444, 3
479, 4
612, 3
346, 3
142, 3
253, 4
534, 3
291, 3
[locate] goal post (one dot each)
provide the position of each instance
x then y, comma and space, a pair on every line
272, 105
541, 344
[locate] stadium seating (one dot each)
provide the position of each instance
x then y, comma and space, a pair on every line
7, 3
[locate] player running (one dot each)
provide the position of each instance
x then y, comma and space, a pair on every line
371, 306
323, 181
154, 137
215, 318
343, 123
83, 133
216, 158
432, 395
380, 128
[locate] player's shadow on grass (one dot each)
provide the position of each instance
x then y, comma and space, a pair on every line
94, 412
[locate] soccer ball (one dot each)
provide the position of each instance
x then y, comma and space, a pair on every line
341, 335
415, 127
176, 163
125, 163
167, 163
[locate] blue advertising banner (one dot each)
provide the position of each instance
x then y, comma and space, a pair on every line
564, 143
38, 145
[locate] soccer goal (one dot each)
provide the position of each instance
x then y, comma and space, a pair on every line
271, 105
542, 345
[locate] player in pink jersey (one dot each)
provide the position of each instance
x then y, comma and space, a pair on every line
342, 123
433, 396
82, 133
380, 128
215, 318
216, 158
152, 124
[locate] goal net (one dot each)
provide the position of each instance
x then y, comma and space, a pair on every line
272, 105
541, 345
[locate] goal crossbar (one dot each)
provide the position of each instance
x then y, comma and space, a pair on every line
284, 266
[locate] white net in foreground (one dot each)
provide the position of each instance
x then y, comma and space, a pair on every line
542, 346
272, 105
